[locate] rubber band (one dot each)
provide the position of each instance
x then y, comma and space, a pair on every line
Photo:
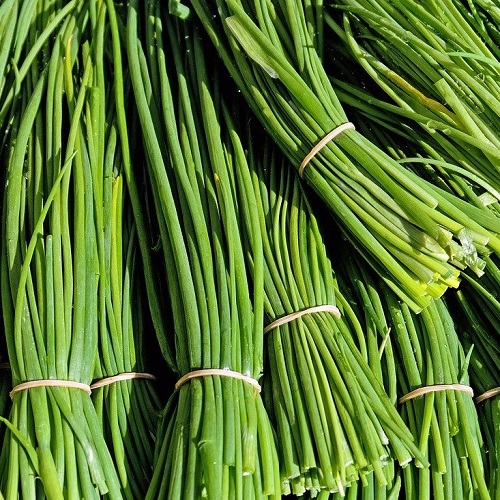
223, 372
121, 376
4, 366
310, 310
487, 395
436, 388
49, 383
323, 142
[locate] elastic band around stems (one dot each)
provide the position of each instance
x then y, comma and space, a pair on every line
49, 383
310, 310
436, 388
487, 395
323, 142
121, 376
4, 366
217, 371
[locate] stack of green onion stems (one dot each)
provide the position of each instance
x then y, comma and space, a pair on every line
477, 197
452, 98
448, 417
318, 385
215, 438
406, 229
161, 187
127, 409
477, 307
427, 352
54, 446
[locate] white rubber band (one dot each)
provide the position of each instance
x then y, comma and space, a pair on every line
487, 395
323, 142
49, 383
121, 376
217, 371
310, 310
436, 388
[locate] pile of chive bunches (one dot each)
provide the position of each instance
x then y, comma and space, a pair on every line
250, 249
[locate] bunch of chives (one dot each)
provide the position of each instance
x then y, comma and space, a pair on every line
452, 97
335, 424
445, 423
127, 409
215, 438
474, 306
477, 309
54, 446
408, 227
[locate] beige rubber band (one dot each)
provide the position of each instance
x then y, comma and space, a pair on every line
49, 383
310, 310
487, 395
217, 371
436, 388
321, 144
121, 376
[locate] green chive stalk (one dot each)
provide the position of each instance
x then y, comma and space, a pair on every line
408, 227
445, 423
5, 384
215, 438
54, 445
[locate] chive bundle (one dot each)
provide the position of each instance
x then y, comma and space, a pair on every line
133, 172
408, 230
445, 423
127, 409
54, 445
335, 424
476, 307
214, 438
